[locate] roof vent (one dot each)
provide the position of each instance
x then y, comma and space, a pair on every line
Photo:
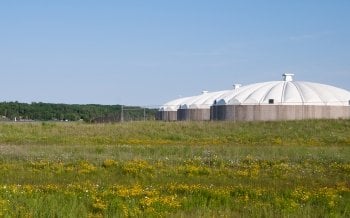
236, 86
204, 92
288, 77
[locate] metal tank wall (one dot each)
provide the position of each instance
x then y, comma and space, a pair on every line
166, 115
193, 114
277, 112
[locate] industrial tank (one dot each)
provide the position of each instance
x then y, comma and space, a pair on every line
198, 108
168, 111
283, 100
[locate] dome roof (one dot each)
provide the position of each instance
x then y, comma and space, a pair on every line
287, 92
174, 104
203, 101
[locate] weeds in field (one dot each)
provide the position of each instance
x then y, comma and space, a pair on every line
249, 185
309, 132
170, 198
191, 170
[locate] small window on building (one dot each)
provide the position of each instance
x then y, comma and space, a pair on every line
271, 101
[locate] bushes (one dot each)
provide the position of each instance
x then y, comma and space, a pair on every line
48, 112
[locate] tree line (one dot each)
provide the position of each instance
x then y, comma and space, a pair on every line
72, 112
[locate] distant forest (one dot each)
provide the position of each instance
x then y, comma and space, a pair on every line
72, 112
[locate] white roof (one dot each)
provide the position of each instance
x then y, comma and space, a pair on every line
287, 92
203, 101
173, 105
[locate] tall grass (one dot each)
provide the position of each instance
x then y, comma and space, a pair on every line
187, 169
310, 132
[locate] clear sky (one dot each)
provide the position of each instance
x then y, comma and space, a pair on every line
139, 52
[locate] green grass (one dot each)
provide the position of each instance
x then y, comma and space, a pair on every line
180, 169
311, 132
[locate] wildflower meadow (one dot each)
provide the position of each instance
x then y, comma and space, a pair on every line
179, 169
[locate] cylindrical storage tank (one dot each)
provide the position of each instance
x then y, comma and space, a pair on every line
283, 100
166, 115
193, 114
168, 112
278, 112
198, 107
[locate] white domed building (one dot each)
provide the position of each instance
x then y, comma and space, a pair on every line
191, 108
198, 107
283, 100
168, 112
276, 100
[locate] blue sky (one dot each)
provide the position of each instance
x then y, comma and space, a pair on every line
148, 52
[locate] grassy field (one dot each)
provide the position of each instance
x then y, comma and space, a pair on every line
182, 169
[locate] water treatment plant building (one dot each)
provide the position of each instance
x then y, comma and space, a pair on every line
275, 100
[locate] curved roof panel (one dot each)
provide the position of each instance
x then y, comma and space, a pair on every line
174, 104
288, 92
204, 101
285, 92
